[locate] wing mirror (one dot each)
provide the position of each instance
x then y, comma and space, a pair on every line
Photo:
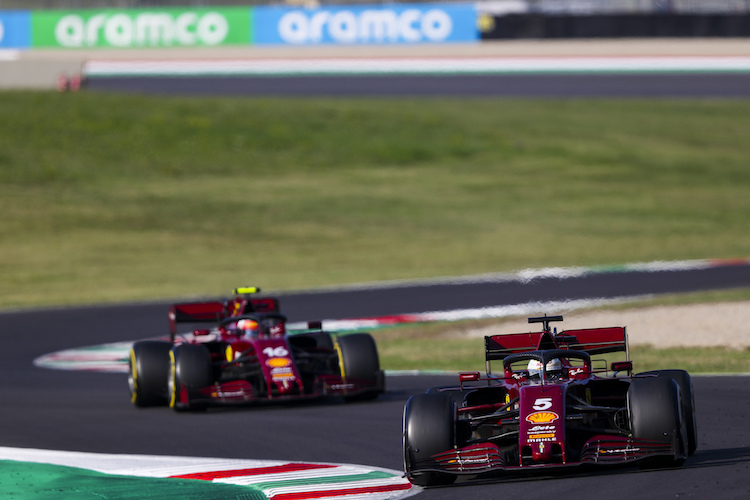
621, 366
201, 333
468, 377
314, 325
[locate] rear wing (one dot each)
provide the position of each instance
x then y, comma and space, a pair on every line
213, 312
592, 340
595, 340
501, 346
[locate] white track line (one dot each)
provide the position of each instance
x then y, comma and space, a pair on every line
468, 65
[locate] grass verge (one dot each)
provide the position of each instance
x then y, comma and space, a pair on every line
109, 198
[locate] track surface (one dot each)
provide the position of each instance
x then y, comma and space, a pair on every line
90, 411
698, 83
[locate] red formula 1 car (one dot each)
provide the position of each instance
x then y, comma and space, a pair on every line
552, 407
248, 356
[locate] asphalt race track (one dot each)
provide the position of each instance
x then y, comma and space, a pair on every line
488, 291
91, 412
673, 85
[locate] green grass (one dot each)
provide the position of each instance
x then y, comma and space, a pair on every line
108, 198
111, 198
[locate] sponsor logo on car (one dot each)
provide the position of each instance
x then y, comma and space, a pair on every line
278, 362
341, 387
230, 394
535, 438
282, 373
542, 428
542, 417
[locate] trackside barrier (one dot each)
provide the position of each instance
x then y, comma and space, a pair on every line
565, 25
542, 6
209, 27
368, 24
394, 23
141, 28
15, 29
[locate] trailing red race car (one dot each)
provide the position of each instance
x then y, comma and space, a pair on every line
552, 407
248, 356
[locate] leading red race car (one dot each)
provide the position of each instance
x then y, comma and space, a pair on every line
552, 407
248, 356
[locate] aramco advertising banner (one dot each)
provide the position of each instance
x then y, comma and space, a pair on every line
374, 24
178, 27
15, 29
196, 27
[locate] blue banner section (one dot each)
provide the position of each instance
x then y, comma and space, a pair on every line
373, 24
15, 29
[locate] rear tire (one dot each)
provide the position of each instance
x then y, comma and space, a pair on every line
687, 399
148, 373
429, 427
190, 370
656, 414
359, 361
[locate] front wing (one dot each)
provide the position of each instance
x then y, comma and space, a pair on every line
242, 391
599, 450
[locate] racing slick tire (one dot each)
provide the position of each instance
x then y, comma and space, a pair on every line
358, 360
148, 373
656, 414
190, 371
687, 398
429, 427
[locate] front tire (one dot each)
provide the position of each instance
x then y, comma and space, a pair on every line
687, 399
429, 427
148, 373
190, 370
656, 414
359, 362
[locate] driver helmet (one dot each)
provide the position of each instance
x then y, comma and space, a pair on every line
248, 328
554, 369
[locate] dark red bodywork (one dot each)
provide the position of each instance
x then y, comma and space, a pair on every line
273, 365
511, 422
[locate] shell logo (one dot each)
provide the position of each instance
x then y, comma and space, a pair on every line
542, 417
278, 362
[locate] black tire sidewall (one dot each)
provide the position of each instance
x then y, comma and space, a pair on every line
655, 413
358, 356
149, 372
687, 399
429, 427
191, 368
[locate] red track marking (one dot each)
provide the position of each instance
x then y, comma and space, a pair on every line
276, 469
338, 493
